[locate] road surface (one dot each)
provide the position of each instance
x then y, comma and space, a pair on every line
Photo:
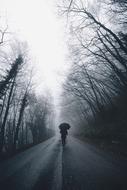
49, 166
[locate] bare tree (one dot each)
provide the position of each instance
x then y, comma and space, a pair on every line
39, 111
98, 50
13, 73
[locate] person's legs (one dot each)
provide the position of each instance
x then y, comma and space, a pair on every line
63, 138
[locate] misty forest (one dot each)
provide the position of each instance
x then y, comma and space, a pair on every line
89, 99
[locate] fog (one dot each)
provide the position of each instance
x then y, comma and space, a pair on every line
37, 23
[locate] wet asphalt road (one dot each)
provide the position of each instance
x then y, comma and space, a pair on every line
49, 166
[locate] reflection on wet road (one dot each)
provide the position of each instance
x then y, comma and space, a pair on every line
49, 166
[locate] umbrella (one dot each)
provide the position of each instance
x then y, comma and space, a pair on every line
65, 126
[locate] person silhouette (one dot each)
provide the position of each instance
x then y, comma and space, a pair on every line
64, 127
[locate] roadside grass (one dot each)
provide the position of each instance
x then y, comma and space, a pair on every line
9, 154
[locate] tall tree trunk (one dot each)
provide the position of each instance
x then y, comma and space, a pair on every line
5, 116
23, 104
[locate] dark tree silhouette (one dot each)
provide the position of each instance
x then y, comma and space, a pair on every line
10, 80
98, 76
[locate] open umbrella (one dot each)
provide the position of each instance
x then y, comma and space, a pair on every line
65, 126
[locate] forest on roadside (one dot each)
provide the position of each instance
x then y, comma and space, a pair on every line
95, 92
26, 118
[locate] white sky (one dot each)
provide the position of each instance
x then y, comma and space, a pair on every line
35, 21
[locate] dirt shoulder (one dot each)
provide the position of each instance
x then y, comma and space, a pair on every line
116, 148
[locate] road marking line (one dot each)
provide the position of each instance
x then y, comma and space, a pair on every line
57, 181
